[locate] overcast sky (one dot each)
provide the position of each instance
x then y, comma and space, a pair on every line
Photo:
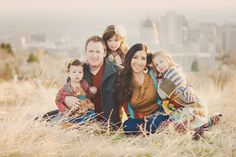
97, 12
66, 5
85, 18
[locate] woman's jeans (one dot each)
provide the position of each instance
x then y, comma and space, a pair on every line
151, 123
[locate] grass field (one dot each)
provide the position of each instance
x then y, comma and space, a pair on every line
22, 101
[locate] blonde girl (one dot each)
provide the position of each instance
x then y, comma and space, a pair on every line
172, 86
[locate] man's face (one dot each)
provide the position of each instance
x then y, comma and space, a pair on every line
95, 54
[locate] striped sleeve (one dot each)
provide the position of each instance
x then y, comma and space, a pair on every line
172, 80
175, 75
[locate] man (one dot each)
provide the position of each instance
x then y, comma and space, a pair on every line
102, 74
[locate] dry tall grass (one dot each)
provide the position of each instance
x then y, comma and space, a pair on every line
21, 101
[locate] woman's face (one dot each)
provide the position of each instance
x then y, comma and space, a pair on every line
161, 64
113, 43
139, 61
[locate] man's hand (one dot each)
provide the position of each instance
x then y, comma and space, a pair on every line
72, 102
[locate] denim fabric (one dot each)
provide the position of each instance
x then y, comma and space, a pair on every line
131, 125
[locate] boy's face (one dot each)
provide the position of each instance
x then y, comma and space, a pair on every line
161, 64
95, 53
76, 73
113, 43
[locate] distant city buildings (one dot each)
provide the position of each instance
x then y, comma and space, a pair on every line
149, 34
39, 41
188, 40
35, 41
229, 38
173, 31
205, 60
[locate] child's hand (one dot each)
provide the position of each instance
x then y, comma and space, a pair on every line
93, 90
111, 58
118, 60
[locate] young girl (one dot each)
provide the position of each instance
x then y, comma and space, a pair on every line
172, 85
77, 87
115, 39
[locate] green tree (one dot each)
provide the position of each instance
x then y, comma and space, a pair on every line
2, 46
32, 58
195, 66
7, 48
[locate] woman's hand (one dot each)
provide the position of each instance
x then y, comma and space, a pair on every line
72, 102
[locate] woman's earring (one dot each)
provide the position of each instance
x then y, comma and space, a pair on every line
145, 70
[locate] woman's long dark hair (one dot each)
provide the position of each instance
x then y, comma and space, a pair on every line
123, 89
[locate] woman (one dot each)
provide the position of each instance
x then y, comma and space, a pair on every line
136, 90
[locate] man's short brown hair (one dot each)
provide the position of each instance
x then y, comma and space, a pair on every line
95, 39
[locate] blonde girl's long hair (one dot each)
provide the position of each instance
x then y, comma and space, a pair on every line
109, 32
166, 55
